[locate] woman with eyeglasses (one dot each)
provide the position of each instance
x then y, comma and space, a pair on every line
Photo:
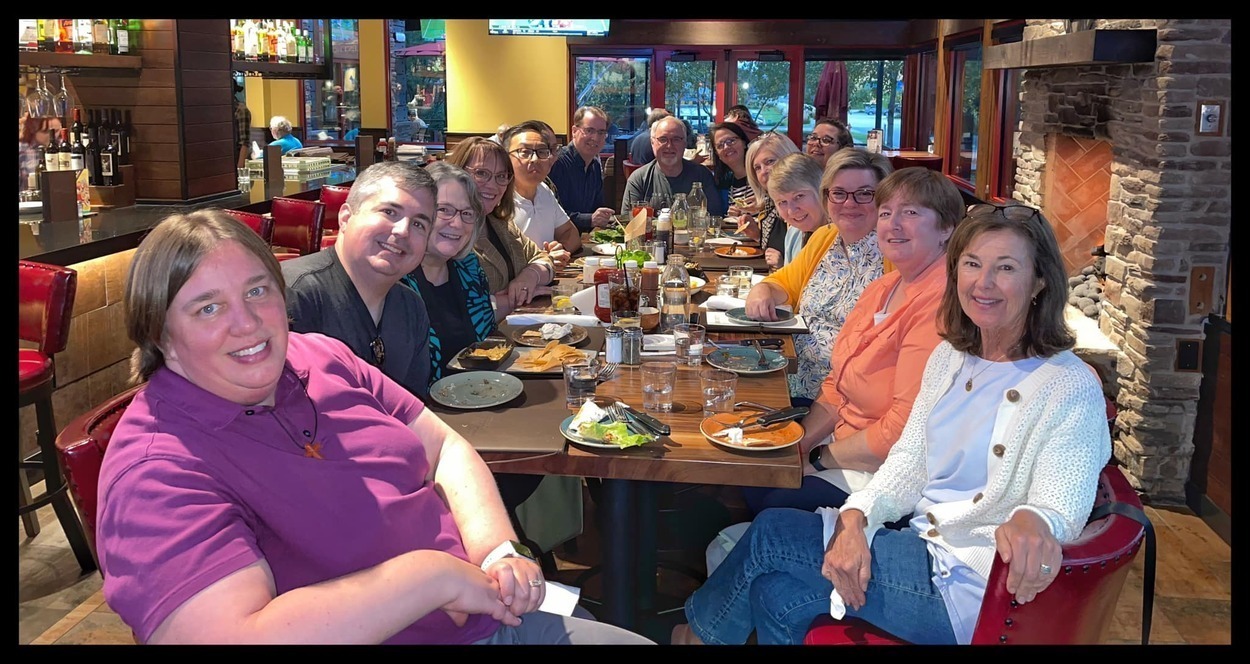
838, 261
827, 137
516, 268
758, 219
1000, 457
880, 352
729, 162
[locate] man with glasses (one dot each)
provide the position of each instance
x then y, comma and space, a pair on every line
351, 291
578, 174
538, 213
827, 137
670, 173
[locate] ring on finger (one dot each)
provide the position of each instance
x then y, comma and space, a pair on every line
1046, 569
536, 583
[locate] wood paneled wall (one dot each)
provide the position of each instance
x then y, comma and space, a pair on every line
203, 48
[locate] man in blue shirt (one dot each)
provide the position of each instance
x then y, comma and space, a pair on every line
578, 174
280, 127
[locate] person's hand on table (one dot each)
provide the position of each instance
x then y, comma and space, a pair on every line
1032, 553
760, 305
560, 256
848, 561
520, 582
474, 591
603, 217
773, 257
523, 288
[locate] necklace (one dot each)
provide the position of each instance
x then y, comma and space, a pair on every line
312, 449
990, 363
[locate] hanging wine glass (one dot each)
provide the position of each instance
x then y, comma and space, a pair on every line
60, 102
39, 99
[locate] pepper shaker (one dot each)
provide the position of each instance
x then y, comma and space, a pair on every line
631, 347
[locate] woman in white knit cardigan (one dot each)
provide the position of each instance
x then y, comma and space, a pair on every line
1001, 454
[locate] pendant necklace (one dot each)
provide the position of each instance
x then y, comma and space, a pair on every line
968, 385
312, 449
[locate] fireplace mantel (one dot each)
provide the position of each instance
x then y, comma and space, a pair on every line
1083, 47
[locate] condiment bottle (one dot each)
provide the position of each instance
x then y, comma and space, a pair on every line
603, 288
631, 346
664, 231
589, 265
612, 346
649, 296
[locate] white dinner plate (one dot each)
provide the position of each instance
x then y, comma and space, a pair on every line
577, 438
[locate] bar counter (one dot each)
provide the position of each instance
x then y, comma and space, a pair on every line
112, 231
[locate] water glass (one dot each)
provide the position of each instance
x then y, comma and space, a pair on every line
658, 379
743, 273
688, 338
727, 286
718, 391
580, 378
714, 226
561, 297
626, 318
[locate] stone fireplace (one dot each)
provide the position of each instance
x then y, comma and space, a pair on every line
1112, 156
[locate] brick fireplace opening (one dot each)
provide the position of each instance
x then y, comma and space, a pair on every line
1111, 155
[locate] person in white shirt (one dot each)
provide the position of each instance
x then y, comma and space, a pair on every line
538, 213
1000, 456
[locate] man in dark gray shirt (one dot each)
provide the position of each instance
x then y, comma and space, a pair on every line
351, 291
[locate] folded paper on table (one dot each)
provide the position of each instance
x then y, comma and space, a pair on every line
637, 226
532, 319
559, 599
584, 300
658, 343
722, 241
724, 303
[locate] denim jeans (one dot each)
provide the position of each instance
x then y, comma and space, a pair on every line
771, 584
814, 493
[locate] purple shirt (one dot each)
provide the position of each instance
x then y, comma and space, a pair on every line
195, 487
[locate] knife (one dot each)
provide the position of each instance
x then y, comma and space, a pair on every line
657, 427
784, 415
767, 343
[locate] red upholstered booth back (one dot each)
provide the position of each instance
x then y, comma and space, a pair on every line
45, 304
333, 196
258, 222
297, 224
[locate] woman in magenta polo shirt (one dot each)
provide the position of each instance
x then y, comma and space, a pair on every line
269, 486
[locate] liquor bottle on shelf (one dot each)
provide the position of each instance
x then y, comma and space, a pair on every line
65, 158
121, 37
250, 52
28, 34
65, 35
237, 36
102, 44
83, 41
292, 45
271, 31
47, 34
134, 30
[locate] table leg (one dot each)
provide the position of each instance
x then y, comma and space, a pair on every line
618, 527
647, 519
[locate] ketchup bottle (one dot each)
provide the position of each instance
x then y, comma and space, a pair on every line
603, 288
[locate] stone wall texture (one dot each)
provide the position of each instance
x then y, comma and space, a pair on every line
1168, 212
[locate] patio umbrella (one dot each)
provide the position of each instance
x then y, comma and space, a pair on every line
832, 98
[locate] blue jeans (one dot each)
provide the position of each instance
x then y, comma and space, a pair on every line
771, 584
814, 493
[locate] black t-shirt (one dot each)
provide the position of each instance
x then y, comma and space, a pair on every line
448, 314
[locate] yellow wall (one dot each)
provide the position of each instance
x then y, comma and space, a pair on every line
374, 46
493, 79
267, 98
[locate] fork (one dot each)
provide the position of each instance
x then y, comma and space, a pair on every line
615, 413
763, 361
606, 372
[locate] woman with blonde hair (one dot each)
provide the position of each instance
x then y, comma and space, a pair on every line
758, 219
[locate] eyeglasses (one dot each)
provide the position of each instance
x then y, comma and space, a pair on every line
379, 351
669, 140
728, 142
502, 178
823, 140
525, 154
447, 212
861, 196
1016, 212
594, 132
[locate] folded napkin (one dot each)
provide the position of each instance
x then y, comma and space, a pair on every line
584, 300
829, 522
723, 303
658, 343
531, 319
560, 599
722, 241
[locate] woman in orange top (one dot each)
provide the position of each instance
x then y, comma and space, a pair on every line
881, 351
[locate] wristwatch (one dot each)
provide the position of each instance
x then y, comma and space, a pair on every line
508, 549
813, 457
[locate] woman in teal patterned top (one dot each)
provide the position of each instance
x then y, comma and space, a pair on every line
450, 278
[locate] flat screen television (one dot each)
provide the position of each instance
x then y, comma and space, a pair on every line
549, 27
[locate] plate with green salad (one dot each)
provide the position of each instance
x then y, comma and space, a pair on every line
592, 427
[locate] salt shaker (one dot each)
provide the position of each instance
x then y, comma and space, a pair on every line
612, 349
631, 347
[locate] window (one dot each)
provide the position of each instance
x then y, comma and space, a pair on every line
690, 93
966, 104
330, 106
1009, 133
874, 94
764, 88
418, 69
618, 85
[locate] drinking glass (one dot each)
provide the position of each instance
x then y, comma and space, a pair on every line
60, 101
39, 100
561, 297
718, 391
714, 226
580, 378
698, 231
688, 338
743, 273
626, 318
657, 385
727, 286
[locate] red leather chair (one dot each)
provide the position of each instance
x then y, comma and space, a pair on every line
45, 305
1075, 609
630, 167
258, 222
333, 196
297, 224
81, 448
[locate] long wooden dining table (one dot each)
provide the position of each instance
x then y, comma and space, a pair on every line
629, 476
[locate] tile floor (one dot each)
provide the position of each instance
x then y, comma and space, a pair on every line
57, 604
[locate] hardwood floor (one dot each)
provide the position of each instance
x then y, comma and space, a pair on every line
1193, 587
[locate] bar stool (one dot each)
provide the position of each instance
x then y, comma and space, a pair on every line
45, 305
297, 224
334, 196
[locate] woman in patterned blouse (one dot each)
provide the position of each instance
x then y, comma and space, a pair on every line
836, 263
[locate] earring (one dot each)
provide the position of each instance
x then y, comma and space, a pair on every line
1035, 300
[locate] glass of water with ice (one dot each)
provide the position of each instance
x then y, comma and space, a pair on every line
718, 391
658, 379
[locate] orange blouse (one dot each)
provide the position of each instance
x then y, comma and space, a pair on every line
876, 369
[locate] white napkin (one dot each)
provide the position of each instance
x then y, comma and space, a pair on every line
584, 300
719, 319
560, 599
531, 319
829, 521
659, 343
723, 303
722, 241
